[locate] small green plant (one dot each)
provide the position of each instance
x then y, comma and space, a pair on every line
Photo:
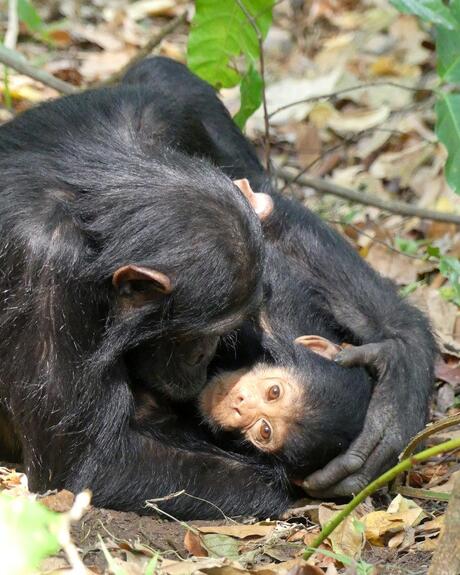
28, 534
224, 47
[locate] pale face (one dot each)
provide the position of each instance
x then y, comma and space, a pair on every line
260, 403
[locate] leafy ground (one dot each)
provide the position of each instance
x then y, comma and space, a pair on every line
378, 140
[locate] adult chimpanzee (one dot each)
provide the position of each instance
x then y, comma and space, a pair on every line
389, 335
123, 262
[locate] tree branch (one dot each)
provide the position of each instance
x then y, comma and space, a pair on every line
147, 49
17, 62
394, 207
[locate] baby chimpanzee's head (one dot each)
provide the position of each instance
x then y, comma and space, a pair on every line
303, 413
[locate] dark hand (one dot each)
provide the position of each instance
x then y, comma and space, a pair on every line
388, 427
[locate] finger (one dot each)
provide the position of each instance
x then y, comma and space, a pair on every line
346, 464
383, 457
358, 356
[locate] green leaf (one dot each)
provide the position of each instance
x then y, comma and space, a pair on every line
220, 32
27, 534
433, 251
434, 11
251, 95
407, 245
448, 132
29, 16
221, 546
448, 53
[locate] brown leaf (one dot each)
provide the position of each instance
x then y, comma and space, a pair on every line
60, 502
193, 544
391, 264
447, 373
345, 539
240, 531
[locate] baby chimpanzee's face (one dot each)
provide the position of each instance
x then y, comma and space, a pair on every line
305, 412
261, 403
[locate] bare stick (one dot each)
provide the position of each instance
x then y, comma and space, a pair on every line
346, 91
400, 208
16, 61
260, 40
147, 49
11, 36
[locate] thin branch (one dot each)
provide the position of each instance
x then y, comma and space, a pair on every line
374, 240
147, 49
400, 208
11, 36
346, 91
17, 62
260, 40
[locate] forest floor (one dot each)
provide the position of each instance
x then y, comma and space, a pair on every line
378, 140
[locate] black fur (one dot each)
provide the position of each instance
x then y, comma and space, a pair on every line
88, 186
362, 303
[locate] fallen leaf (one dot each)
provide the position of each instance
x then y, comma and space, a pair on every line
393, 265
358, 120
144, 8
240, 531
402, 513
61, 501
345, 539
292, 90
194, 545
401, 164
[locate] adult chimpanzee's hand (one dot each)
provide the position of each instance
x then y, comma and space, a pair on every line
387, 428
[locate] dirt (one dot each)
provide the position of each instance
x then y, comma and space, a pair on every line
128, 531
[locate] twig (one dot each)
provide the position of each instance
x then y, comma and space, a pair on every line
14, 60
377, 484
260, 40
374, 240
147, 49
346, 91
394, 207
446, 559
11, 36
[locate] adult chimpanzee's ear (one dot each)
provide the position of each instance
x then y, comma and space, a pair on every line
319, 345
131, 278
262, 203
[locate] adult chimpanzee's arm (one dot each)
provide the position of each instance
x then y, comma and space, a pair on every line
126, 465
398, 346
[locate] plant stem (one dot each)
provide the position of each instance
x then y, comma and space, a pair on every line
377, 484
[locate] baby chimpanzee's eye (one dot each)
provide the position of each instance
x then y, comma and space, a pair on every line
265, 430
274, 392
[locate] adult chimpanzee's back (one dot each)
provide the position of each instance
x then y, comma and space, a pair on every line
122, 263
391, 337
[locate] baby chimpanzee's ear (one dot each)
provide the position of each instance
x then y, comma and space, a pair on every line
132, 279
319, 345
261, 203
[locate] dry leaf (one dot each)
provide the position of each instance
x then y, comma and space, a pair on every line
240, 531
345, 539
402, 513
401, 164
61, 501
393, 265
358, 120
144, 8
193, 544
